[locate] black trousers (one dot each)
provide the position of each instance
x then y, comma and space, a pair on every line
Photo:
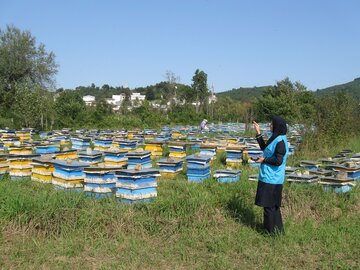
272, 220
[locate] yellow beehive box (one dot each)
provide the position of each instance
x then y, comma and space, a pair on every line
22, 150
78, 183
67, 154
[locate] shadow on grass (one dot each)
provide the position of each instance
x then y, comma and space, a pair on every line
243, 213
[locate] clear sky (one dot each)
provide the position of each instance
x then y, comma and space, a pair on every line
237, 43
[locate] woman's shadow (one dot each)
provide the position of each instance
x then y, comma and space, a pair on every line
243, 213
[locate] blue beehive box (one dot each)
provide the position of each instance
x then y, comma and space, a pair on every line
115, 158
339, 183
139, 157
60, 139
177, 149
224, 176
198, 168
47, 148
234, 155
136, 185
127, 144
80, 143
100, 182
208, 150
255, 152
195, 144
90, 156
102, 144
170, 165
69, 174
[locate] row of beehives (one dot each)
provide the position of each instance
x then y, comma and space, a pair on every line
232, 144
238, 150
81, 138
136, 183
339, 173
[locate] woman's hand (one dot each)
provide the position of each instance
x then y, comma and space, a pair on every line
256, 127
260, 160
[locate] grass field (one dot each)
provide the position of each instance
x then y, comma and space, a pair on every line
189, 226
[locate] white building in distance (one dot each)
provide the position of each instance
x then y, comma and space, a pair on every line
89, 100
116, 100
212, 98
137, 96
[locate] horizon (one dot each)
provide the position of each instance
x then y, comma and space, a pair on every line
239, 44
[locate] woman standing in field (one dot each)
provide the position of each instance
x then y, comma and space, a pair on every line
272, 173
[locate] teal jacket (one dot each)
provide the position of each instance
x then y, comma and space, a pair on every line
274, 174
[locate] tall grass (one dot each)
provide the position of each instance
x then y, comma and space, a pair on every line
189, 226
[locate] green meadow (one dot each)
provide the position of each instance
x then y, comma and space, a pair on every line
189, 226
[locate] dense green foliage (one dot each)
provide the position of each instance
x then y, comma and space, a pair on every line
26, 73
288, 99
244, 94
201, 89
23, 64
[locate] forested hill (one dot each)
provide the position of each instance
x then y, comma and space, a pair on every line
353, 88
250, 93
244, 93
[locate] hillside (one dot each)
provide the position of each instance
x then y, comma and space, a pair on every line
244, 93
353, 88
250, 93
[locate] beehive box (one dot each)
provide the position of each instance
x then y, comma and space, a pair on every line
115, 158
139, 157
170, 167
90, 156
4, 165
225, 176
69, 175
102, 144
198, 168
155, 147
177, 149
42, 169
20, 166
66, 154
138, 185
100, 181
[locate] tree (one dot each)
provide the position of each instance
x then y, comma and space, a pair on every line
290, 100
69, 106
105, 87
338, 116
200, 88
150, 94
23, 61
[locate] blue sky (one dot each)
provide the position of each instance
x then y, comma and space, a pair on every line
237, 43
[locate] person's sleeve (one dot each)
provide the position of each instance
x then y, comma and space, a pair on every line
261, 141
278, 156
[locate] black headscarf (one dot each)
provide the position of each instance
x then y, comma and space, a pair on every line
279, 128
